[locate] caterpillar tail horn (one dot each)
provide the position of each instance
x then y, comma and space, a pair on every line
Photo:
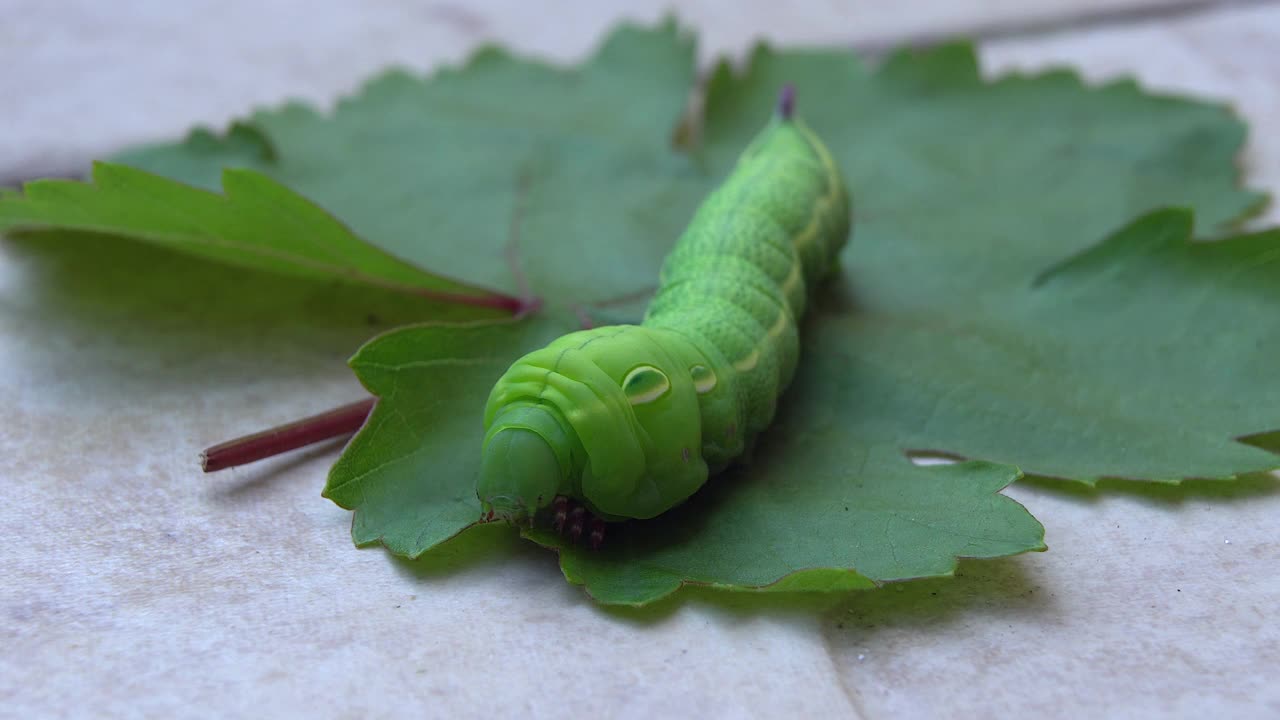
787, 101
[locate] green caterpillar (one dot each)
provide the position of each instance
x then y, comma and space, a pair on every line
629, 420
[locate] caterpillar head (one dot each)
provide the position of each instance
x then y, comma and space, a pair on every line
608, 416
526, 461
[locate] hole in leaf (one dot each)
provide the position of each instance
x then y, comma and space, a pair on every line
932, 457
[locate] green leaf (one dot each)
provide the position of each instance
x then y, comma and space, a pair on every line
501, 159
1142, 358
257, 223
409, 472
963, 186
815, 514
945, 333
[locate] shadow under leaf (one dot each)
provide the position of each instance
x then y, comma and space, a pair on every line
1246, 488
108, 293
1003, 583
491, 544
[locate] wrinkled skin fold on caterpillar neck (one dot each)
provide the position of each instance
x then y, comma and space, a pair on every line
610, 440
630, 420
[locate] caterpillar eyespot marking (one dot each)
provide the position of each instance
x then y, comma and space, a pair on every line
704, 379
645, 384
700, 376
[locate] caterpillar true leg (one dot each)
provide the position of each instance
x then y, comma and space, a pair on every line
571, 517
561, 513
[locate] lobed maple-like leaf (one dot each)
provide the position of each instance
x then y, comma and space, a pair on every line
986, 307
942, 332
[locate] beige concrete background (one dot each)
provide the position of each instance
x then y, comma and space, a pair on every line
136, 587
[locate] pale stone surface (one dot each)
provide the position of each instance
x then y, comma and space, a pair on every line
134, 586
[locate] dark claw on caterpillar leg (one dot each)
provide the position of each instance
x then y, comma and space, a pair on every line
577, 518
597, 533
560, 508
